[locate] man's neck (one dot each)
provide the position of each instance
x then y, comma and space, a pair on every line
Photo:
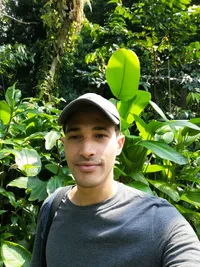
88, 196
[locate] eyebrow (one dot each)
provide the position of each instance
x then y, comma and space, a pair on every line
78, 129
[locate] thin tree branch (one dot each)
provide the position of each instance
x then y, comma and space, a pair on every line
19, 21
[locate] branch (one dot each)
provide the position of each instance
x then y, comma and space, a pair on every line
19, 21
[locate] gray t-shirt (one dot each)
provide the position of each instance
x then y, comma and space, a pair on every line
131, 229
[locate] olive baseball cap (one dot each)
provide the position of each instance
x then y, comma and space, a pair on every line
98, 101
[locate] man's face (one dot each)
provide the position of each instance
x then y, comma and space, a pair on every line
91, 145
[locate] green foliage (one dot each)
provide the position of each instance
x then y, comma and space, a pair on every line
167, 48
160, 120
32, 166
152, 161
14, 255
123, 83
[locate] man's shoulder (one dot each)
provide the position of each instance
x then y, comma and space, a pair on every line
144, 197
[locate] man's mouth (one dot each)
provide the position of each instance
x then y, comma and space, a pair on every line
88, 166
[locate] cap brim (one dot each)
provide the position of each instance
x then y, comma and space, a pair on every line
76, 104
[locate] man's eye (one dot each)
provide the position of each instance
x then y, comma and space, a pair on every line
74, 137
100, 136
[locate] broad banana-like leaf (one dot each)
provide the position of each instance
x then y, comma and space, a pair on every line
134, 107
142, 127
192, 197
5, 112
142, 187
123, 74
192, 215
166, 188
183, 123
138, 176
189, 131
14, 255
158, 110
156, 168
164, 151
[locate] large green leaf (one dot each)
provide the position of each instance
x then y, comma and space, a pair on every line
190, 178
38, 135
158, 110
28, 161
156, 168
51, 139
138, 176
142, 187
192, 197
20, 182
136, 106
183, 123
38, 187
5, 112
14, 255
189, 213
2, 211
123, 74
139, 104
190, 131
54, 183
10, 196
54, 168
164, 151
142, 127
165, 188
5, 152
12, 96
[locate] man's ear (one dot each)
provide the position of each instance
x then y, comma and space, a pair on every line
120, 141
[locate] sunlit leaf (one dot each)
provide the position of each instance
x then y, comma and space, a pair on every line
15, 255
183, 123
123, 74
142, 127
51, 139
135, 106
20, 182
5, 112
158, 110
156, 168
28, 161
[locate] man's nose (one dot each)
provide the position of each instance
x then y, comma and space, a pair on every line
87, 149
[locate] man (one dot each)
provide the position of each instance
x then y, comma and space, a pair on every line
101, 222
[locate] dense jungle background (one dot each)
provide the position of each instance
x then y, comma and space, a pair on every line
52, 51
